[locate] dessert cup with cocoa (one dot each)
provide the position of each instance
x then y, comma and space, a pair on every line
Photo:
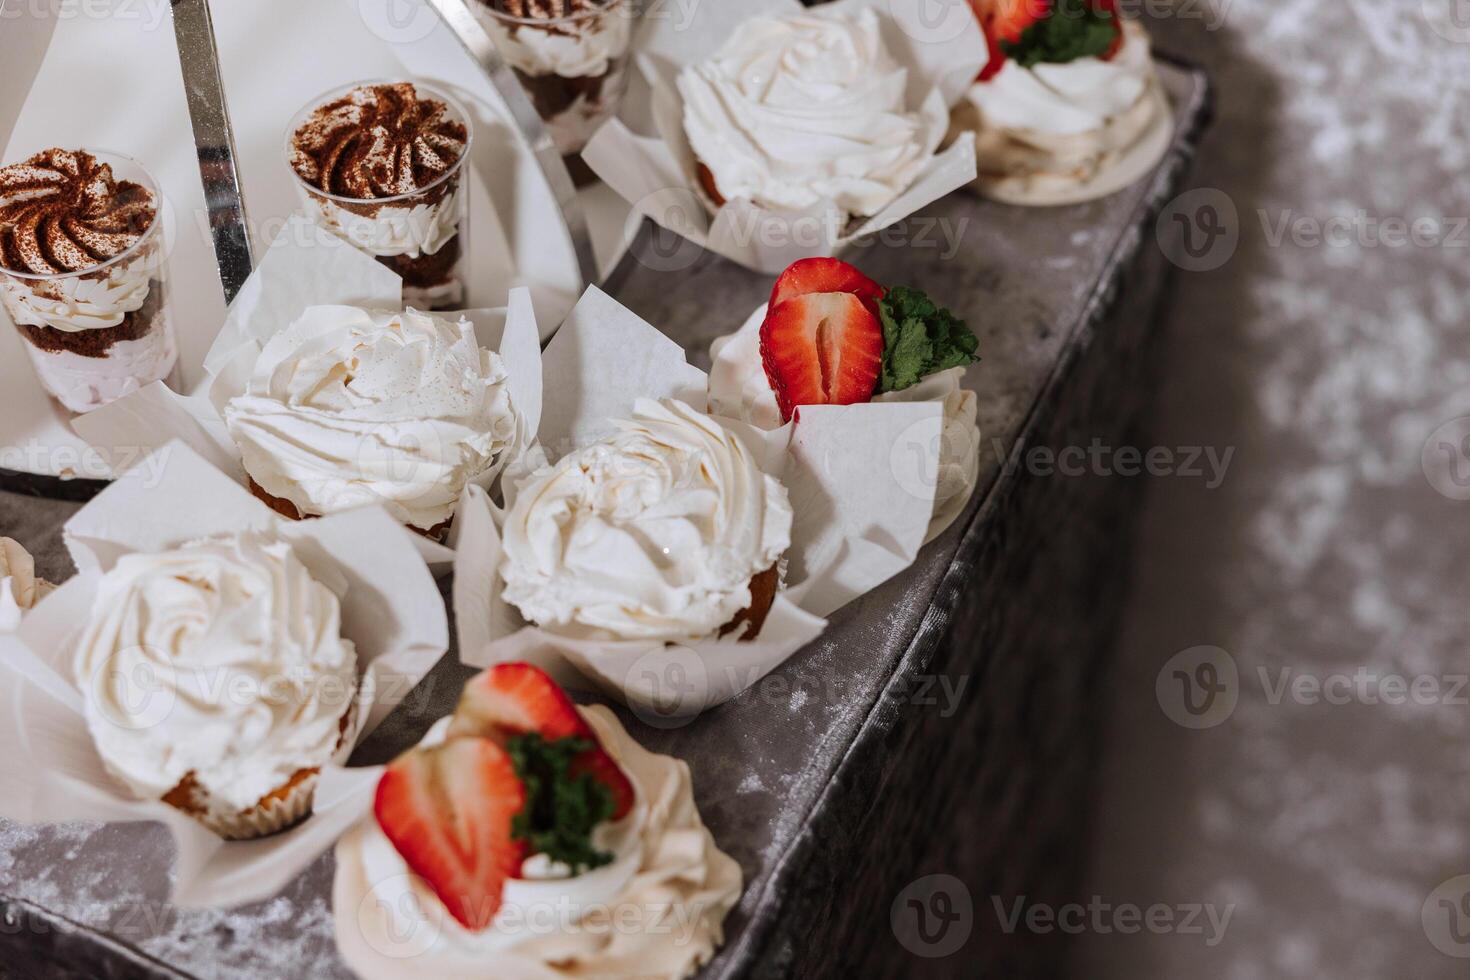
381, 164
572, 58
82, 274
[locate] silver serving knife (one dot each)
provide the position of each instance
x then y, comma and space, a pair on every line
214, 140
458, 17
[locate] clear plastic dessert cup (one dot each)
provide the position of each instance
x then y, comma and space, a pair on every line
423, 235
572, 58
97, 333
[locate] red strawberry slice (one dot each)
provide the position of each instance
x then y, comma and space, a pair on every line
517, 698
448, 810
513, 699
1004, 20
1110, 7
824, 276
821, 349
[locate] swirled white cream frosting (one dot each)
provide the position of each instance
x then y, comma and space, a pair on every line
739, 389
800, 109
82, 303
414, 230
19, 588
1063, 122
654, 533
348, 408
582, 48
657, 912
222, 658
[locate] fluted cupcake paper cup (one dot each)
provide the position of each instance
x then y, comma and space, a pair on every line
56, 768
271, 416
859, 479
879, 139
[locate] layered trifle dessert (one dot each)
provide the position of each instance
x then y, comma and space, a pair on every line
571, 56
81, 274
381, 165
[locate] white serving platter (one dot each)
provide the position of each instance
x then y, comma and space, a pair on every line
108, 76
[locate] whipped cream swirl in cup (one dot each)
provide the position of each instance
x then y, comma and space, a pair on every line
653, 533
666, 895
349, 408
796, 110
81, 274
219, 665
380, 164
571, 56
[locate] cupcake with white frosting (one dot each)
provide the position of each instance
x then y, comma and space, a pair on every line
587, 855
348, 408
665, 530
215, 678
1069, 106
830, 335
801, 111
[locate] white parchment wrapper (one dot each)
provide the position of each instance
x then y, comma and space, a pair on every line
50, 770
732, 383
656, 174
858, 518
305, 266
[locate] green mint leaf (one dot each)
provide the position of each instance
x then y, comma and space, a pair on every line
1075, 29
919, 339
561, 809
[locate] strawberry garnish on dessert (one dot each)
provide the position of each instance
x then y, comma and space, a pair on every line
520, 773
515, 699
1054, 31
832, 336
1005, 21
449, 811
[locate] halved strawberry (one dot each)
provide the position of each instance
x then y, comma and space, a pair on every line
821, 349
824, 276
1004, 20
513, 699
517, 698
448, 810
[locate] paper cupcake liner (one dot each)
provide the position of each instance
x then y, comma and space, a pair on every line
272, 815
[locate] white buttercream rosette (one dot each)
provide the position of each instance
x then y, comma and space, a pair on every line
1064, 133
637, 547
656, 911
331, 396
819, 126
348, 408
172, 651
739, 388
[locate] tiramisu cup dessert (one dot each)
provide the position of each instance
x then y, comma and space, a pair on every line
381, 165
529, 839
82, 274
666, 530
572, 58
832, 336
215, 678
796, 110
1069, 92
350, 408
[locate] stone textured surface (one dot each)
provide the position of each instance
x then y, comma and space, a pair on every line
1035, 285
1326, 550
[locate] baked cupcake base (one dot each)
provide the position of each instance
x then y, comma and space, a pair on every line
763, 589
439, 532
